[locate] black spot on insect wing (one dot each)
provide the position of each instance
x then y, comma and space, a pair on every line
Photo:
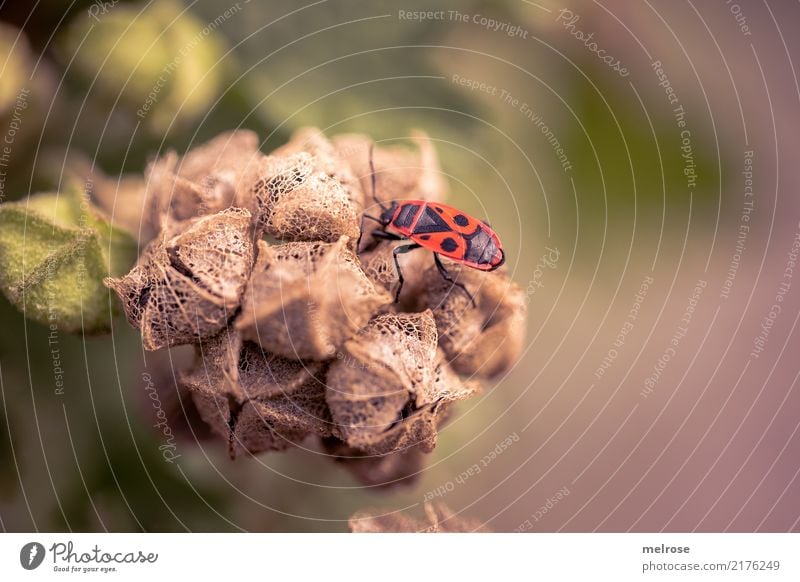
449, 245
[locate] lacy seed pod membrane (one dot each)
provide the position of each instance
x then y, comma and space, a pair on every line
186, 288
485, 340
392, 391
306, 299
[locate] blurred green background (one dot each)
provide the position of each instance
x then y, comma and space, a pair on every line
88, 459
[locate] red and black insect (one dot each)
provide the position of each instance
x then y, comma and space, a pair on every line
439, 228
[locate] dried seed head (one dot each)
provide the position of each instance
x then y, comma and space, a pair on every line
305, 299
307, 342
485, 340
257, 400
206, 180
185, 289
389, 391
438, 519
213, 381
299, 202
326, 159
282, 421
380, 370
228, 152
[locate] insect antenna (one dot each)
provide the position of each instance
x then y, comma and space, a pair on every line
373, 178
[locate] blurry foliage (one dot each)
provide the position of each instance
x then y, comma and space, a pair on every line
352, 64
8, 478
628, 174
27, 87
151, 69
145, 491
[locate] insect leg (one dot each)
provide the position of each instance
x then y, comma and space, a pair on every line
361, 232
382, 234
399, 250
373, 178
446, 276
378, 220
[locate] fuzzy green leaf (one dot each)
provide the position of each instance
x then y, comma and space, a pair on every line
55, 250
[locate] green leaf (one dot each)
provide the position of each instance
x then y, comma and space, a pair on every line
55, 250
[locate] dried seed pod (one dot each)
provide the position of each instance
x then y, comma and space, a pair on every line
213, 381
282, 421
268, 337
298, 202
173, 198
418, 424
257, 400
206, 180
399, 172
285, 402
186, 288
438, 519
485, 340
379, 371
305, 299
398, 469
262, 375
228, 152
326, 159
389, 391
